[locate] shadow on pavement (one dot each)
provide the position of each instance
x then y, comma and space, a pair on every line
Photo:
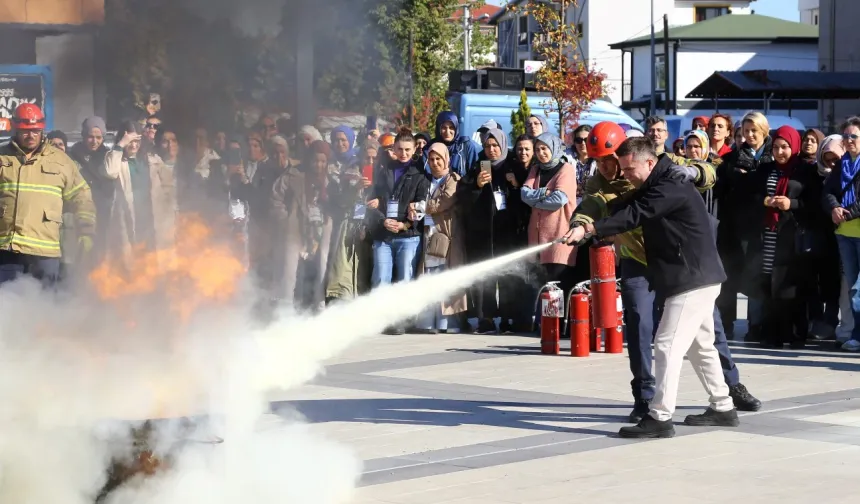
450, 413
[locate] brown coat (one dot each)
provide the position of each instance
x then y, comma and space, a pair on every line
546, 226
441, 206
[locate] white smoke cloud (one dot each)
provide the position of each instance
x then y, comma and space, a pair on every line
77, 373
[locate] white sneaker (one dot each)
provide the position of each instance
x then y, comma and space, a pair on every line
851, 345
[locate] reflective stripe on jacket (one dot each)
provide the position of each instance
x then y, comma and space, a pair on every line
34, 194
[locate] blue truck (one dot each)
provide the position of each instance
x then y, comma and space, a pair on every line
476, 106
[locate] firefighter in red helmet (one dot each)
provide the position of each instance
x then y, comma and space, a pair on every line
38, 183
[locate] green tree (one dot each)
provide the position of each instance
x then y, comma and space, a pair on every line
520, 117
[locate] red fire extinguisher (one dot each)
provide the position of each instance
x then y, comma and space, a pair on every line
580, 305
603, 288
614, 336
551, 298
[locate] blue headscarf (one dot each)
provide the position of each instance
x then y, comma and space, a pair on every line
463, 151
346, 157
849, 171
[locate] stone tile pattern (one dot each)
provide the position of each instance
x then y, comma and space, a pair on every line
486, 419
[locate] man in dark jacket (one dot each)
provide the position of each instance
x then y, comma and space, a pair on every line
684, 268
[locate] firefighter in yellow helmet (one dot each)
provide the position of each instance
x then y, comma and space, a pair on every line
38, 183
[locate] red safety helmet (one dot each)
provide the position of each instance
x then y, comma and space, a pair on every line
28, 116
604, 139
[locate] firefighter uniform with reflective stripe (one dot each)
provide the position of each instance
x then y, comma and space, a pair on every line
34, 194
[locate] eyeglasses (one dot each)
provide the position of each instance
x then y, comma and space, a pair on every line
150, 125
850, 136
656, 130
580, 140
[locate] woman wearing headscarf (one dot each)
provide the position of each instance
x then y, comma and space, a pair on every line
90, 154
825, 278
810, 142
461, 149
443, 240
350, 260
343, 146
775, 257
551, 192
144, 208
493, 215
298, 231
697, 148
536, 125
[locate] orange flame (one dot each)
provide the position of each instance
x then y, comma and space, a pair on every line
194, 272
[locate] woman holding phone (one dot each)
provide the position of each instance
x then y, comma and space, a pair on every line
492, 212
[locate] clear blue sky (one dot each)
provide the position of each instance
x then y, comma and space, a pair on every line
785, 9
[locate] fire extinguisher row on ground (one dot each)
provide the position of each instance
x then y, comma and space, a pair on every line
595, 310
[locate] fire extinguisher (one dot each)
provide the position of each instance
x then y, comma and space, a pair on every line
551, 299
614, 336
579, 304
603, 286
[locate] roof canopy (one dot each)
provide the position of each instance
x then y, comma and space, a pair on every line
783, 84
734, 28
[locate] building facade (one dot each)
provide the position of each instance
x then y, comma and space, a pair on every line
58, 37
809, 12
727, 43
599, 25
837, 52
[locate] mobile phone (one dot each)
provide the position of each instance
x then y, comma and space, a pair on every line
486, 166
367, 172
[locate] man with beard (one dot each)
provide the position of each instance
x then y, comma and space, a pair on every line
37, 182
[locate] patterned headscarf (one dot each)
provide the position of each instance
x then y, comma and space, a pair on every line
703, 139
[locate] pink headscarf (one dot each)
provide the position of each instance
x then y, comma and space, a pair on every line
442, 150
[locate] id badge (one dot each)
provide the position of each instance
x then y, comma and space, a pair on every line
392, 210
359, 212
501, 200
428, 221
314, 214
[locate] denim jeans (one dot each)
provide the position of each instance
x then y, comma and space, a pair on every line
432, 318
849, 252
395, 260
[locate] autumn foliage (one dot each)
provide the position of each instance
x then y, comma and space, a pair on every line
570, 81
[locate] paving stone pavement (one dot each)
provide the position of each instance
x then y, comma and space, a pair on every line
486, 419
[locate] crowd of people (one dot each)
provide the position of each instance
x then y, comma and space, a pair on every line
317, 221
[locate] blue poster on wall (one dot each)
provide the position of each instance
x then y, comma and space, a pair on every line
24, 84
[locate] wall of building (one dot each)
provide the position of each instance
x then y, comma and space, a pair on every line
71, 58
68, 12
684, 11
838, 50
698, 61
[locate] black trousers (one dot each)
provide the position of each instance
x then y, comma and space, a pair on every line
784, 320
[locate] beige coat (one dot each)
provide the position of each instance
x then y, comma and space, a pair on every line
441, 206
121, 233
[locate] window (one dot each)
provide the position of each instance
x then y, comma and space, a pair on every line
579, 30
705, 13
523, 31
660, 71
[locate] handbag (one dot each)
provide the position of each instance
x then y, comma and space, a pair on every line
437, 245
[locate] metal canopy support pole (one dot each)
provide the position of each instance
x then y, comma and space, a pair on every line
653, 109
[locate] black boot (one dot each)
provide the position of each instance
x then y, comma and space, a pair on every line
640, 410
648, 428
714, 418
744, 401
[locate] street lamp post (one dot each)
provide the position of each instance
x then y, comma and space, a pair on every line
467, 34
